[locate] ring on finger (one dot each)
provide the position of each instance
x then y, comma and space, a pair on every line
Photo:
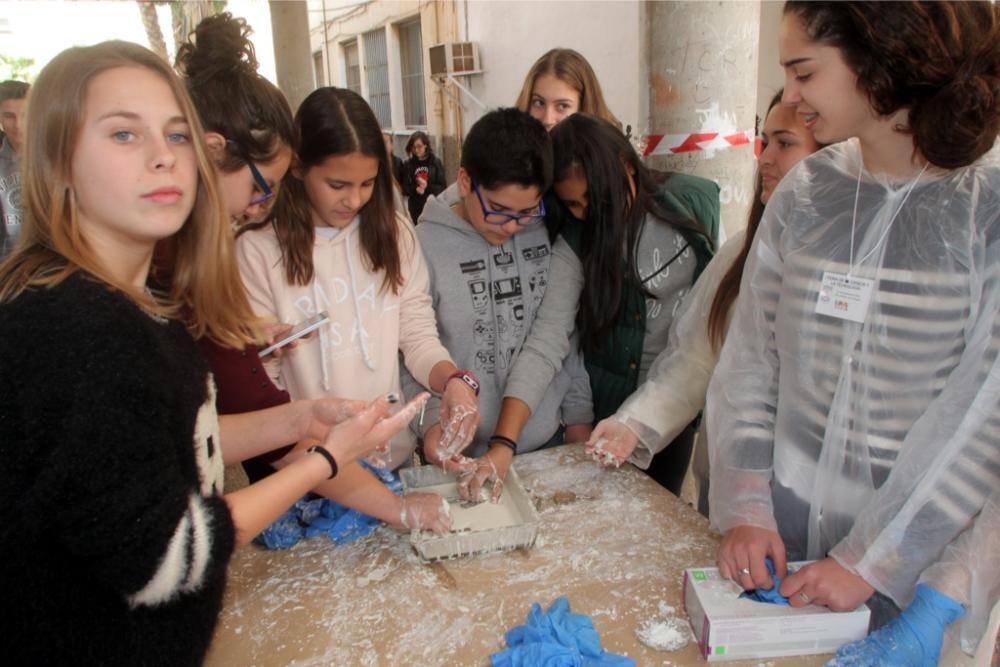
745, 570
805, 598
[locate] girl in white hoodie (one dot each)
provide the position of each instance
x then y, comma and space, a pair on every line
335, 243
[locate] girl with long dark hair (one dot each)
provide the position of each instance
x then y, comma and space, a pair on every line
335, 242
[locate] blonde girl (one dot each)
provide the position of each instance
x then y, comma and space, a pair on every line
560, 84
116, 533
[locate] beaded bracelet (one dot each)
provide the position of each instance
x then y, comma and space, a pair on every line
505, 441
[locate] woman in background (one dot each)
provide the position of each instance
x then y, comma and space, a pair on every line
423, 174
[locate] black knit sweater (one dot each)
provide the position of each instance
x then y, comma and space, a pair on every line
114, 537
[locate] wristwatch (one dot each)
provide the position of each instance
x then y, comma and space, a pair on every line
466, 377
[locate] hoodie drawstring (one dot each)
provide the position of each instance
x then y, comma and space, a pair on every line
362, 332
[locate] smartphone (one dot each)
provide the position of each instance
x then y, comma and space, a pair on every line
300, 330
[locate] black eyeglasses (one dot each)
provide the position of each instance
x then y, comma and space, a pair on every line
266, 193
492, 217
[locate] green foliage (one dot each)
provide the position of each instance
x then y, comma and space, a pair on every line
12, 67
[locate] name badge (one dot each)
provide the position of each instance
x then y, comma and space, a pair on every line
844, 297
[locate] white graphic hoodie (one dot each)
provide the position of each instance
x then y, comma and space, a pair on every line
356, 355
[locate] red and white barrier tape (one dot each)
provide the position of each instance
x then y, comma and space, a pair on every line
672, 144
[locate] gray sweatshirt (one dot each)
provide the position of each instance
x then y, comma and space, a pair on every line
485, 299
10, 198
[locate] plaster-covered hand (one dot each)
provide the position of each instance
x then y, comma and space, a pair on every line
912, 639
611, 443
323, 413
459, 417
743, 553
828, 583
370, 430
456, 463
490, 471
425, 511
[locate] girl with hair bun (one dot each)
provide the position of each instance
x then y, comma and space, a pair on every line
248, 123
249, 133
854, 413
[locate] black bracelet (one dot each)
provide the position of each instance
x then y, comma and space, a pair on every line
326, 455
505, 441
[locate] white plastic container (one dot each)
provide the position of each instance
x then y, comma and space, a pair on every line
728, 627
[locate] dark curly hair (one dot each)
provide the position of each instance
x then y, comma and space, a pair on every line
220, 71
940, 60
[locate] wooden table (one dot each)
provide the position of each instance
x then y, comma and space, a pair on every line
615, 546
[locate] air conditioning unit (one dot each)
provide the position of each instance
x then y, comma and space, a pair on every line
453, 58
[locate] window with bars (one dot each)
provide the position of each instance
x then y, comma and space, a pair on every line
377, 75
411, 69
352, 65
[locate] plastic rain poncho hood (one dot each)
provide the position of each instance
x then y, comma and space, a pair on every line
876, 443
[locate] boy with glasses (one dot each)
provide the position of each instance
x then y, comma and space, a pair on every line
487, 252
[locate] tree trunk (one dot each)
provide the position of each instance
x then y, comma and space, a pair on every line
147, 11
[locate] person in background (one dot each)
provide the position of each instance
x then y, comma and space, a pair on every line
423, 174
13, 101
560, 84
249, 133
488, 261
115, 531
854, 413
335, 242
674, 391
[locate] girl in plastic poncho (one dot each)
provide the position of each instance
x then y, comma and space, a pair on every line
853, 414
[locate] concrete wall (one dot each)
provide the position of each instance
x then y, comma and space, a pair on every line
770, 76
703, 80
512, 36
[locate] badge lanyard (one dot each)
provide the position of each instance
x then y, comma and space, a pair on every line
845, 296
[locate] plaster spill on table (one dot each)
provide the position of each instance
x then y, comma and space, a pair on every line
668, 634
408, 608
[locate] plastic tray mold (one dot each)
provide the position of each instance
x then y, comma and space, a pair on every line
433, 547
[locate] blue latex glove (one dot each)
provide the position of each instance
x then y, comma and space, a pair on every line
556, 638
768, 594
321, 516
912, 639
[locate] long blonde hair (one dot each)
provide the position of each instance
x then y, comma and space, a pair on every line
572, 69
205, 290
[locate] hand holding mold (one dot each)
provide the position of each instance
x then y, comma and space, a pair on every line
488, 475
611, 443
425, 511
453, 462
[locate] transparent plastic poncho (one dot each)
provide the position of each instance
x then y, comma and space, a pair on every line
880, 440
